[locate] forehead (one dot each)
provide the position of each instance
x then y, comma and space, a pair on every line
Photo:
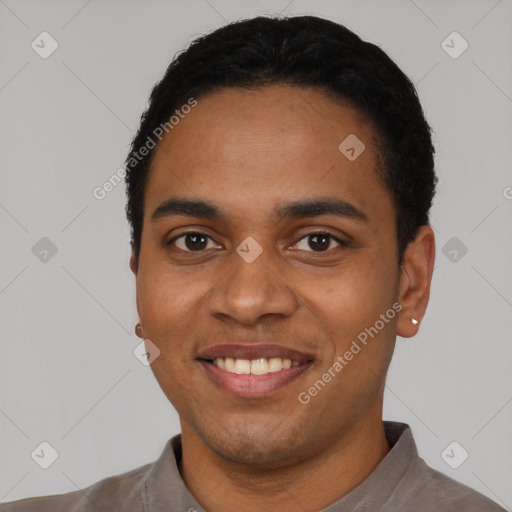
267, 146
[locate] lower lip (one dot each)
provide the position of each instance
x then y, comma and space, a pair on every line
253, 386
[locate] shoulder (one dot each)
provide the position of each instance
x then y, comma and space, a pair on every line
111, 494
435, 492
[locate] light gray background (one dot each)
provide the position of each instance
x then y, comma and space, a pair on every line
68, 375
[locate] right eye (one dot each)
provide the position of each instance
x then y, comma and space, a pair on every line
192, 241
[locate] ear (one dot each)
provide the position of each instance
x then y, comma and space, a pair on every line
415, 279
134, 264
134, 267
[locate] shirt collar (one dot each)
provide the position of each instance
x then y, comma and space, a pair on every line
163, 488
379, 485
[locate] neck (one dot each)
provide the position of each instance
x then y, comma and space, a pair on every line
313, 484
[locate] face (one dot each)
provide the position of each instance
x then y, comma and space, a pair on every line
263, 242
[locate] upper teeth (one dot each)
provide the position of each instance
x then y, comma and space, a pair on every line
255, 366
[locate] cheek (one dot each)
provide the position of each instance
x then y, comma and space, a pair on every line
169, 307
167, 301
354, 298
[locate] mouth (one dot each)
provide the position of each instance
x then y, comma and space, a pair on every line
253, 371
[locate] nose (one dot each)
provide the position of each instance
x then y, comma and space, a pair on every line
251, 291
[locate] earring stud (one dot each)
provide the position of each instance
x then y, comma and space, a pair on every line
414, 321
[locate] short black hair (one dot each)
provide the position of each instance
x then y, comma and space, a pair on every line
303, 51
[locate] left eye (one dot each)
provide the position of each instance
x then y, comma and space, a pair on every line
321, 241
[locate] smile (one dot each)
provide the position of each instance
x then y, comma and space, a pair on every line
253, 371
259, 366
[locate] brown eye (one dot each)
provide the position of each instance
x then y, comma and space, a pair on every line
319, 242
190, 242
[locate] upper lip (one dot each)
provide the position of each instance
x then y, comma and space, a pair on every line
252, 351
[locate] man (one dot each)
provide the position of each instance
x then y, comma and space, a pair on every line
278, 193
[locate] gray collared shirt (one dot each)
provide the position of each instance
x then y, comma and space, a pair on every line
402, 482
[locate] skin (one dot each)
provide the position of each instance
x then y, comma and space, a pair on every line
248, 151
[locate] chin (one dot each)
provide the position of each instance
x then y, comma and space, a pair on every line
256, 445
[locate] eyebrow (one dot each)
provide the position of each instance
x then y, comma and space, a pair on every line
294, 210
